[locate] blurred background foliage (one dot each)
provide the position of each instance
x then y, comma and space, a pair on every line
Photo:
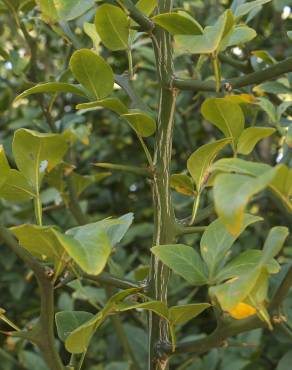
101, 137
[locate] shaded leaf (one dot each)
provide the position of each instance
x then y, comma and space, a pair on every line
68, 321
182, 184
274, 243
281, 185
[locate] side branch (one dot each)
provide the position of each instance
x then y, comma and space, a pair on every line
228, 329
146, 23
250, 79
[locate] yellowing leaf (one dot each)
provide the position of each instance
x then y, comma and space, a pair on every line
242, 311
182, 184
232, 193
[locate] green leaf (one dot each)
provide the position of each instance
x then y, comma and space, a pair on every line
244, 262
141, 122
240, 166
78, 340
274, 243
246, 8
157, 307
200, 161
179, 315
117, 228
89, 247
241, 35
113, 104
251, 136
35, 153
48, 10
93, 72
146, 6
182, 184
286, 360
236, 290
4, 167
16, 188
71, 9
180, 23
216, 242
207, 43
232, 193
264, 56
52, 88
68, 321
183, 260
269, 108
227, 116
90, 30
281, 185
112, 26
289, 34
41, 241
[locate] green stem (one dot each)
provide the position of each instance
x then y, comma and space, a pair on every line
217, 72
164, 220
195, 208
42, 333
250, 79
146, 151
38, 209
130, 61
118, 326
79, 366
140, 171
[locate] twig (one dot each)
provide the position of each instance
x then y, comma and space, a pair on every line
250, 79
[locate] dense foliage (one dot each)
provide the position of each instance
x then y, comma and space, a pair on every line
145, 192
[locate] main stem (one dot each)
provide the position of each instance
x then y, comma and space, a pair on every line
164, 230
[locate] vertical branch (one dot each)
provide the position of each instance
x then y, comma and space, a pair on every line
163, 211
43, 332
